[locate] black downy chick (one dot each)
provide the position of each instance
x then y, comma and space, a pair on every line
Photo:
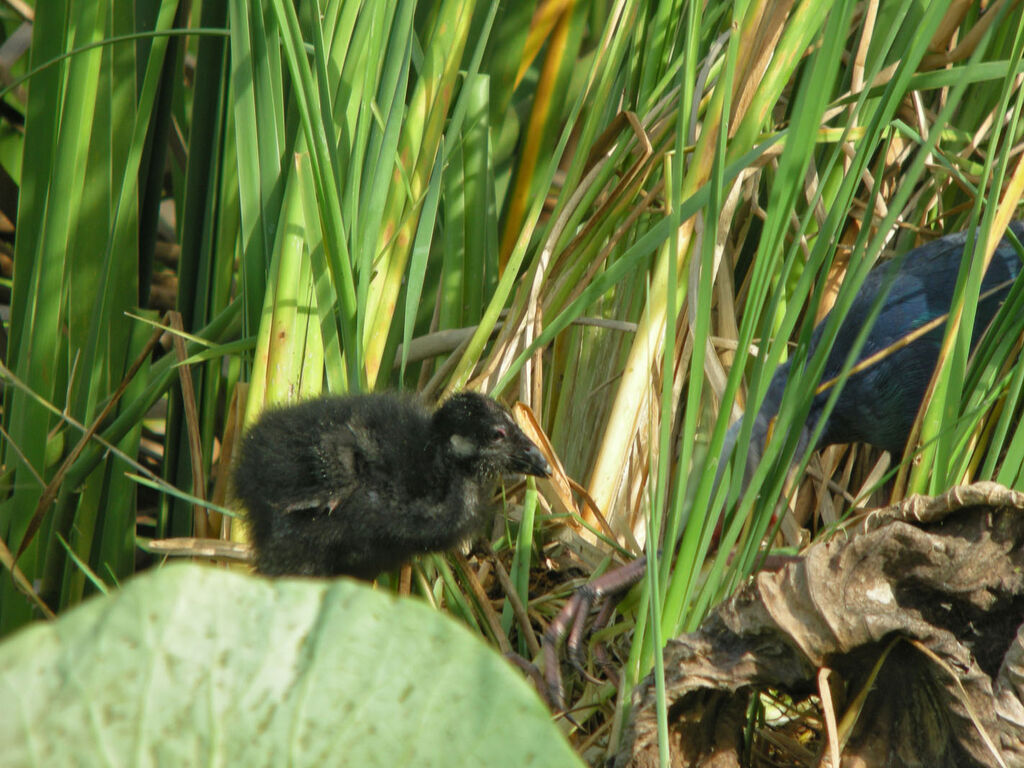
878, 405
358, 484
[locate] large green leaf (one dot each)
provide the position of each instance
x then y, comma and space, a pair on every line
197, 666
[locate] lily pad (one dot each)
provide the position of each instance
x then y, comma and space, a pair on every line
191, 665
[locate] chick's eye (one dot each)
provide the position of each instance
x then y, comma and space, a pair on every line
498, 433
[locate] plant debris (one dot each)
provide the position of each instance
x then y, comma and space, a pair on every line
905, 626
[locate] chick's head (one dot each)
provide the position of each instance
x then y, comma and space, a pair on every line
480, 436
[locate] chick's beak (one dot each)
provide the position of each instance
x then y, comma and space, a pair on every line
530, 461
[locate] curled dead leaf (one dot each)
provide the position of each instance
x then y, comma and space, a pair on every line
916, 609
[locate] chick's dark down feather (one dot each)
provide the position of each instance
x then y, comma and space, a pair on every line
358, 484
878, 405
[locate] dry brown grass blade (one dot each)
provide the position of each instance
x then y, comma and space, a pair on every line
53, 488
545, 16
188, 395
21, 581
492, 619
965, 700
559, 481
828, 707
951, 28
518, 609
190, 546
223, 493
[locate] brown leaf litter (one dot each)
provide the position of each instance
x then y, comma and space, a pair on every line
915, 611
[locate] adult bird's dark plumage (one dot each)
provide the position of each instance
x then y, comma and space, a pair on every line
879, 404
358, 484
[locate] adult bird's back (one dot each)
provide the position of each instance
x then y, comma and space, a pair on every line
878, 405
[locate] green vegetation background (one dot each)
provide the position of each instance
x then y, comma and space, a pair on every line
596, 208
